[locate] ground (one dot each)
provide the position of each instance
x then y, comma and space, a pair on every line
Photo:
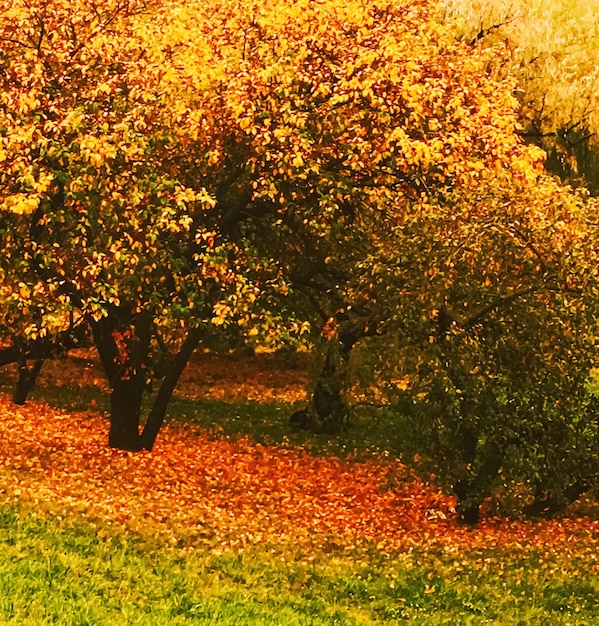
228, 480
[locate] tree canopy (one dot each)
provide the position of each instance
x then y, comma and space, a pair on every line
552, 53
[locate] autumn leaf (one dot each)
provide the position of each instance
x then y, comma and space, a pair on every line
196, 488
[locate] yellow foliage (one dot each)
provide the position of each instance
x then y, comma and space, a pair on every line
141, 134
553, 52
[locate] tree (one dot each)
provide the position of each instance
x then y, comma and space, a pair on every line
554, 56
345, 122
495, 353
147, 176
96, 228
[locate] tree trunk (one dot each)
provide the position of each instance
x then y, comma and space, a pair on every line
468, 507
26, 380
328, 410
125, 413
472, 490
38, 351
327, 403
165, 392
125, 368
27, 376
128, 378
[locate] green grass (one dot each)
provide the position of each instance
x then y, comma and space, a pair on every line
72, 572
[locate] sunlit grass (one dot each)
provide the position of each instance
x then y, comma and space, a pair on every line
74, 572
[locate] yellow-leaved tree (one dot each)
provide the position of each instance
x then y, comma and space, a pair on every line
554, 56
165, 164
98, 228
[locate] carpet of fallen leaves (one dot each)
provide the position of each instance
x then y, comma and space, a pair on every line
196, 489
230, 377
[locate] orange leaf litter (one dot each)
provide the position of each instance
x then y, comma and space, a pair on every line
197, 489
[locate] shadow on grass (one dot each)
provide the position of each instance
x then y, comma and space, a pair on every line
370, 432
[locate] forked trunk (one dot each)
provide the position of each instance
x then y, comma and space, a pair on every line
127, 376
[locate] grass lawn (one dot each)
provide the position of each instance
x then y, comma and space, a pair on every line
71, 572
215, 527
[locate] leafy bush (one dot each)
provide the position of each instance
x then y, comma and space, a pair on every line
505, 410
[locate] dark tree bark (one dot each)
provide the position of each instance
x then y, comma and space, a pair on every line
468, 509
125, 414
327, 403
26, 380
8, 355
327, 411
471, 490
125, 371
165, 391
128, 379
